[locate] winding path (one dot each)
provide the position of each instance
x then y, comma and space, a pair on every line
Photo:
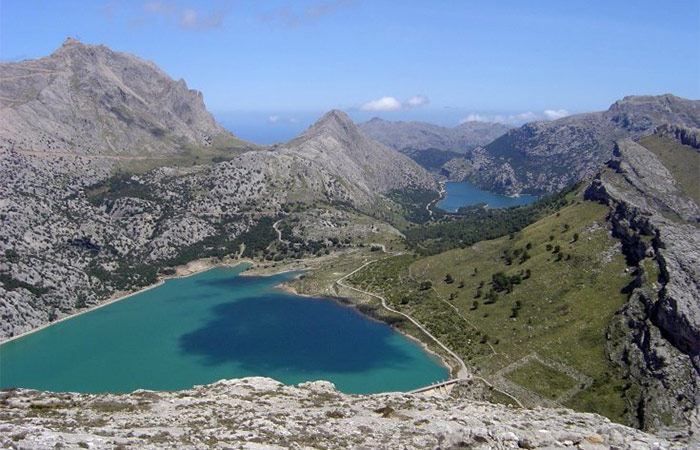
279, 233
463, 372
442, 195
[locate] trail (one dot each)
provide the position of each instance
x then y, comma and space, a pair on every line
463, 372
442, 195
279, 233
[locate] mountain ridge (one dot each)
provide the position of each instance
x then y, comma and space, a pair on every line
423, 136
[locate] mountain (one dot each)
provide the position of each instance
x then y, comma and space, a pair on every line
90, 100
546, 156
337, 143
652, 189
424, 136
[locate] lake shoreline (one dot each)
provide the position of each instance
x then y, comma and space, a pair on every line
256, 269
345, 302
465, 194
192, 268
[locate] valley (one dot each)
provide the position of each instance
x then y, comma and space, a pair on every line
576, 286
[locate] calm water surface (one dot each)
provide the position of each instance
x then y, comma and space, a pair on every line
460, 194
216, 325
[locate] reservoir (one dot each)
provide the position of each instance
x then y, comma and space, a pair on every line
458, 194
213, 325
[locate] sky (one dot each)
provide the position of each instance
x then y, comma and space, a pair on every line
267, 69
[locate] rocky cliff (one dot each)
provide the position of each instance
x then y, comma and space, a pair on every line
253, 413
655, 339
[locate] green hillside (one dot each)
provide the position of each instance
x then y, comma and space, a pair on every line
528, 311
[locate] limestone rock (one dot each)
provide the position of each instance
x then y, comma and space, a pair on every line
262, 413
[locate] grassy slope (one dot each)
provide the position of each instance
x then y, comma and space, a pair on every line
565, 307
681, 160
222, 148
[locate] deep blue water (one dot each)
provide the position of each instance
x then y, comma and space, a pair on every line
215, 325
460, 194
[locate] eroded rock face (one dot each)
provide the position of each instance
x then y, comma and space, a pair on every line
656, 337
262, 413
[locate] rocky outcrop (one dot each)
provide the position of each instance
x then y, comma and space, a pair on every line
424, 136
656, 337
547, 156
262, 413
685, 135
90, 100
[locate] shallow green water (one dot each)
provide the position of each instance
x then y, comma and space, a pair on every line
216, 325
458, 194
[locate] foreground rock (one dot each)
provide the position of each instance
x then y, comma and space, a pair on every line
262, 413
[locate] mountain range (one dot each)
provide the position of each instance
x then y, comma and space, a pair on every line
544, 157
402, 136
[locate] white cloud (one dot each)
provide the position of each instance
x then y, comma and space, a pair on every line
273, 119
516, 119
418, 100
189, 18
388, 103
382, 104
554, 114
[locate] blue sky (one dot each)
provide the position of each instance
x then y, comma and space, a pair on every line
276, 65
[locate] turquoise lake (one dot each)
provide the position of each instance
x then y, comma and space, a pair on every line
458, 194
215, 325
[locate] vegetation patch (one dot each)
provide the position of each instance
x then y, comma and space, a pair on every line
681, 160
542, 379
477, 223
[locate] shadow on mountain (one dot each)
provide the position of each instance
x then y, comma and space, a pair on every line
280, 332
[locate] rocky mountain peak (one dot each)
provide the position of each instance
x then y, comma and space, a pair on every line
333, 120
337, 125
337, 141
70, 41
89, 99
